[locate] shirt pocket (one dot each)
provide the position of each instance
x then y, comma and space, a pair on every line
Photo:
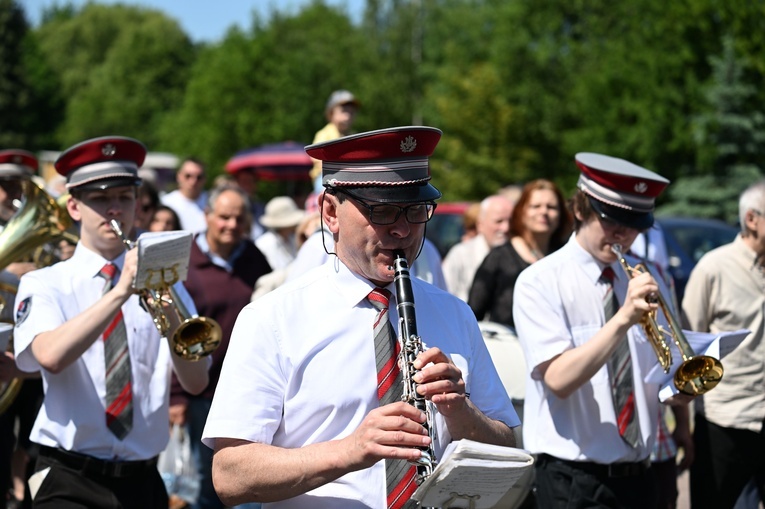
582, 334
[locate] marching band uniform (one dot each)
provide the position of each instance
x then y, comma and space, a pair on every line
301, 366
82, 462
583, 459
313, 391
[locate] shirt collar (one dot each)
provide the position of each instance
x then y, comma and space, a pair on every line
588, 263
227, 264
352, 288
746, 252
89, 262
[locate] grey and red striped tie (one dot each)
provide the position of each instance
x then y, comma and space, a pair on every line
399, 474
620, 371
119, 390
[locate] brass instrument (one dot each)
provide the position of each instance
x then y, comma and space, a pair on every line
411, 347
37, 222
196, 336
697, 374
10, 389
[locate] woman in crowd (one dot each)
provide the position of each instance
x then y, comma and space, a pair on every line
164, 219
539, 225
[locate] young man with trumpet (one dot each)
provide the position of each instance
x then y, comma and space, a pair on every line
589, 415
307, 412
105, 368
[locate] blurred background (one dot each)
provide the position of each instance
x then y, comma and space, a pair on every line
517, 86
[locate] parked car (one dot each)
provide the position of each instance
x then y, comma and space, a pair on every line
688, 239
445, 227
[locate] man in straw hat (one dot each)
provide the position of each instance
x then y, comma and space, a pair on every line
299, 418
105, 368
588, 413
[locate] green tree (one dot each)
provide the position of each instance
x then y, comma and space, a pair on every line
29, 103
121, 69
730, 140
269, 85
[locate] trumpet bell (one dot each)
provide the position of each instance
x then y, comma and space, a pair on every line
698, 375
197, 337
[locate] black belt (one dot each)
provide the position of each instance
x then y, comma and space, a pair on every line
601, 470
94, 466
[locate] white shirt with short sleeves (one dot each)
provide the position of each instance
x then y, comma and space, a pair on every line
300, 370
559, 306
190, 212
72, 415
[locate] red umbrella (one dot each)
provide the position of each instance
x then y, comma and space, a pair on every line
278, 161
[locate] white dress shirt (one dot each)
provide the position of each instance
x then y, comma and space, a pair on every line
278, 251
301, 370
558, 305
72, 415
462, 262
190, 212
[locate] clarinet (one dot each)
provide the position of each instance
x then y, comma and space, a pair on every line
411, 347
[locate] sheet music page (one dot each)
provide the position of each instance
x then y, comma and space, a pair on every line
484, 472
163, 258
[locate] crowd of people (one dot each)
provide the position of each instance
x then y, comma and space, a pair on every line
300, 404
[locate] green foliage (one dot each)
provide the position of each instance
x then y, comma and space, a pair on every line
730, 138
121, 68
518, 87
268, 86
28, 103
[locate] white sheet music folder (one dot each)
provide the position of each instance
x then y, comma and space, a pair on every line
473, 472
163, 258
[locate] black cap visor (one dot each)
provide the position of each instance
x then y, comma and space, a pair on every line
392, 194
100, 185
628, 218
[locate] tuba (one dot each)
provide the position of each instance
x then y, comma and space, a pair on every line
411, 347
697, 374
10, 389
39, 221
196, 336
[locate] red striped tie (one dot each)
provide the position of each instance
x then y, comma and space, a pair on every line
620, 372
119, 393
399, 474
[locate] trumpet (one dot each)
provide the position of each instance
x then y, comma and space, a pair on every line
697, 374
411, 347
196, 336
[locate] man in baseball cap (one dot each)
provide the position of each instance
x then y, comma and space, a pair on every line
353, 435
340, 113
106, 370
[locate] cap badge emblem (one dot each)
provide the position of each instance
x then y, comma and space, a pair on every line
409, 144
16, 159
109, 149
641, 187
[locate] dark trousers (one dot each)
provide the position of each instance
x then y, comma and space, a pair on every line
196, 417
68, 488
726, 459
15, 425
563, 485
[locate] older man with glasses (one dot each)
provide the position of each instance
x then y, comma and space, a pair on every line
308, 412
